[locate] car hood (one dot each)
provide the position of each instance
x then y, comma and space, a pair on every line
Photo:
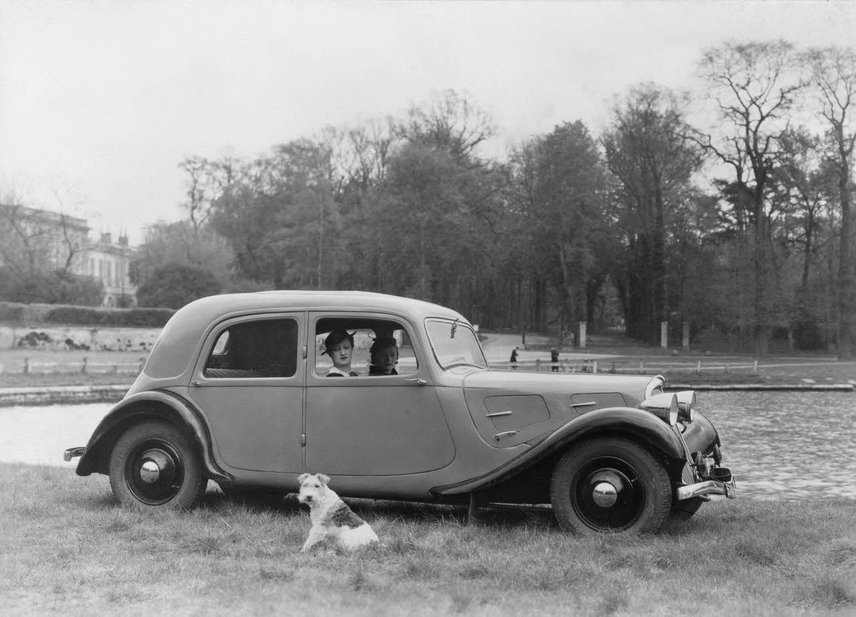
510, 408
631, 387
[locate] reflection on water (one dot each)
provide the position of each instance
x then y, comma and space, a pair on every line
39, 435
787, 445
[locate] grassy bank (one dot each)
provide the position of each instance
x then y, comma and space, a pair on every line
68, 549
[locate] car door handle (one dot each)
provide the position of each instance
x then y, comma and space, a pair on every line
418, 381
499, 436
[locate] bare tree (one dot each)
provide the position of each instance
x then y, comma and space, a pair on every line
754, 87
33, 240
833, 71
452, 122
74, 243
198, 204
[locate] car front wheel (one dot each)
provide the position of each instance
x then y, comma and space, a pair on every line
610, 485
153, 465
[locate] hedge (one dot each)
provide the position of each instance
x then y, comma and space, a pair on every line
84, 315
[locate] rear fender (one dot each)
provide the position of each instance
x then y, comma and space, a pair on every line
145, 406
635, 424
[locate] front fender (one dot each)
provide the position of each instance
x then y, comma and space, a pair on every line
634, 423
152, 403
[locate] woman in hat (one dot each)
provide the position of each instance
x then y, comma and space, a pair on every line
384, 356
339, 345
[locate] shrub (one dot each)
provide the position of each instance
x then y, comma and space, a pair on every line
56, 287
174, 285
11, 312
34, 314
130, 318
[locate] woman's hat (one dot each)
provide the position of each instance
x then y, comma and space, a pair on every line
382, 343
335, 337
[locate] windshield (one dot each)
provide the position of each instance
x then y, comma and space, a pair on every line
454, 343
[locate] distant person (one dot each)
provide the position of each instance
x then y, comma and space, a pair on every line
554, 358
384, 356
339, 345
513, 359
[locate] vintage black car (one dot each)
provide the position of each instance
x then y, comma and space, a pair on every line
236, 390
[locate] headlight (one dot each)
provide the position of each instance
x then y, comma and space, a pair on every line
686, 404
664, 406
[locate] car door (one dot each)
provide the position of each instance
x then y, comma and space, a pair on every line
372, 425
249, 387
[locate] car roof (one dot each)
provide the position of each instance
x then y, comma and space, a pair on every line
176, 346
214, 306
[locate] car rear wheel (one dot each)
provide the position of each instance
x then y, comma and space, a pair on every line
153, 465
608, 486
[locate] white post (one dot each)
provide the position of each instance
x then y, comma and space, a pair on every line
582, 335
686, 336
664, 334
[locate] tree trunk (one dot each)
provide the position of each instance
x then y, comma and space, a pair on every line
847, 276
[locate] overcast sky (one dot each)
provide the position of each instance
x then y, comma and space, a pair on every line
101, 100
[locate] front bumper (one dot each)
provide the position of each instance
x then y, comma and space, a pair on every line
722, 484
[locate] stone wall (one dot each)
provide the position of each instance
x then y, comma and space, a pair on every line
69, 338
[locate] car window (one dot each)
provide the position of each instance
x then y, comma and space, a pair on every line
454, 343
258, 348
365, 333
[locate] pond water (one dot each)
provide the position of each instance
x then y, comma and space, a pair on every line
779, 445
787, 445
39, 435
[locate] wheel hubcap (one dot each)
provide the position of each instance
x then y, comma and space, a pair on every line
605, 495
149, 472
154, 472
608, 495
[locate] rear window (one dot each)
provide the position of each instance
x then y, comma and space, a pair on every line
259, 348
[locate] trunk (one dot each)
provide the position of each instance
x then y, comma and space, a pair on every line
809, 231
760, 322
847, 276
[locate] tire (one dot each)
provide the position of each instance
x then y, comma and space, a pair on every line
610, 485
153, 465
684, 509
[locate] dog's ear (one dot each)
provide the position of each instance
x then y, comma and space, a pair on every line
302, 477
324, 479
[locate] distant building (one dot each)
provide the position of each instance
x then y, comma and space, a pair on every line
41, 239
44, 240
109, 263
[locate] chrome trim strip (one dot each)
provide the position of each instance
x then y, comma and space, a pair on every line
584, 404
499, 413
71, 453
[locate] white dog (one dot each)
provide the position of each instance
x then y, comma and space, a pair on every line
331, 517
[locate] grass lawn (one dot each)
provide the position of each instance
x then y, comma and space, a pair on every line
67, 548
